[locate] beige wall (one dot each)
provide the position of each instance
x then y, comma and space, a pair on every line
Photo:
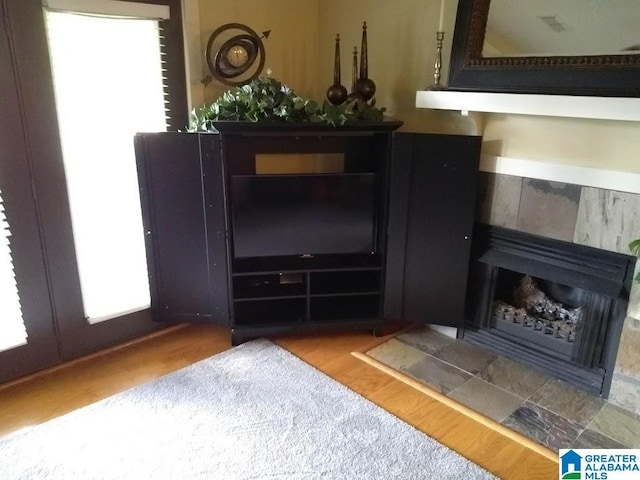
401, 41
291, 48
402, 47
610, 145
401, 44
194, 60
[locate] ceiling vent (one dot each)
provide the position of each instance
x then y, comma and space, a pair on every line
554, 23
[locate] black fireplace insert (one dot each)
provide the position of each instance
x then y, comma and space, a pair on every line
553, 305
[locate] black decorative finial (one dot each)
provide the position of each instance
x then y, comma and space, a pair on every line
365, 87
336, 94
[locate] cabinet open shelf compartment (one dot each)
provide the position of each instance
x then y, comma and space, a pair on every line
338, 282
345, 307
331, 294
270, 311
270, 285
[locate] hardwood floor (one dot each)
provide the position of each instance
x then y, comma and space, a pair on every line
43, 396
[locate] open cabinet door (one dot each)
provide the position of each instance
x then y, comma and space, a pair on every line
431, 213
183, 204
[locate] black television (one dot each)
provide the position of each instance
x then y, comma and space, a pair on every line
303, 215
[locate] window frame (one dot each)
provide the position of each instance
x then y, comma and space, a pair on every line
58, 311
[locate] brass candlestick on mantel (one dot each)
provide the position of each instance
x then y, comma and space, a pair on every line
336, 94
438, 63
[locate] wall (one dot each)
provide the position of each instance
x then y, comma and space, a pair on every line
291, 48
612, 145
193, 53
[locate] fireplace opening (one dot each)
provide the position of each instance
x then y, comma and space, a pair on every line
523, 309
556, 306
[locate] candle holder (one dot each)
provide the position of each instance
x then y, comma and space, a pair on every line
438, 63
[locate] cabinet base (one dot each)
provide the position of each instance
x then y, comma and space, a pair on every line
241, 334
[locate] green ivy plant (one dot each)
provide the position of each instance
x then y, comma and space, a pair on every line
267, 99
635, 249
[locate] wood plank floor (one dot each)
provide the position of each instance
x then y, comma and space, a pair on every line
59, 390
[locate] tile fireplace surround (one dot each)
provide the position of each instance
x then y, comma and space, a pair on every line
583, 215
601, 212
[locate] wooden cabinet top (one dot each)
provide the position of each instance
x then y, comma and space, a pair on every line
301, 128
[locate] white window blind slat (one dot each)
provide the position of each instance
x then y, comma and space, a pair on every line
12, 329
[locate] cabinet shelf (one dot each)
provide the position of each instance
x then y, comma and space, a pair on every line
276, 272
269, 265
293, 176
271, 285
257, 299
344, 294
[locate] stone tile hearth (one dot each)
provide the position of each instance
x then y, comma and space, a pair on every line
544, 409
543, 426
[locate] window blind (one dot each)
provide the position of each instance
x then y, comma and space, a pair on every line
115, 8
12, 328
108, 86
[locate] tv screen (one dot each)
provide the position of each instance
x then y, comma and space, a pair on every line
276, 215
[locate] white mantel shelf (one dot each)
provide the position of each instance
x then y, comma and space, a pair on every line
603, 108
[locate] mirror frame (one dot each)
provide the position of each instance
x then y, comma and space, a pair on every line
595, 75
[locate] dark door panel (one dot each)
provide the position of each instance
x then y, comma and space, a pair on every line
34, 188
182, 191
432, 205
15, 163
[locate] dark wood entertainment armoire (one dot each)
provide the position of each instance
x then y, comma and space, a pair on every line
229, 218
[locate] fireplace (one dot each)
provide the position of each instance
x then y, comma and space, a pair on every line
554, 305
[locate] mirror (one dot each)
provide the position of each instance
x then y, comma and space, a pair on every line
562, 27
569, 47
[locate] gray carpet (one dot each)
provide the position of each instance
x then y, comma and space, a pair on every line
252, 412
